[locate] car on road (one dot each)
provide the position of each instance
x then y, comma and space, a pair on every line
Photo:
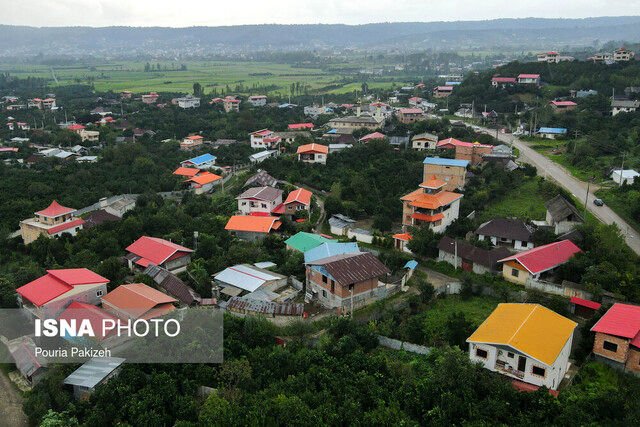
598, 202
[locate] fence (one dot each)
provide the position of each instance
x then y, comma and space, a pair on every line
402, 345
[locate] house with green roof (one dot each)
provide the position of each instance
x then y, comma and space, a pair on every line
305, 241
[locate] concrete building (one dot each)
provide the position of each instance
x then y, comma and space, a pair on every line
53, 221
430, 206
452, 171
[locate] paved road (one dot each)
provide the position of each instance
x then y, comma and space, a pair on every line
550, 169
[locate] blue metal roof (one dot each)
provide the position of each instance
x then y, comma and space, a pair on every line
446, 162
452, 83
552, 130
411, 265
205, 158
333, 131
328, 249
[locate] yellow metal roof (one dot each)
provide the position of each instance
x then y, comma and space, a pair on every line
529, 328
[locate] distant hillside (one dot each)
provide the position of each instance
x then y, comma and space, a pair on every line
528, 33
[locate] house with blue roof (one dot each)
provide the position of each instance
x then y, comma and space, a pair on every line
329, 249
201, 162
551, 133
452, 172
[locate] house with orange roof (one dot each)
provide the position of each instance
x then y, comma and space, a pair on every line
313, 153
252, 228
163, 253
188, 172
203, 182
400, 241
430, 206
191, 142
527, 342
298, 200
49, 295
53, 221
151, 98
137, 301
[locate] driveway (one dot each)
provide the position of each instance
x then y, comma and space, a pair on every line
10, 403
550, 169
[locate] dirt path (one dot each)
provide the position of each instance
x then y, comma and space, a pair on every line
10, 403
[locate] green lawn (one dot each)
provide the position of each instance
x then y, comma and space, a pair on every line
524, 202
476, 309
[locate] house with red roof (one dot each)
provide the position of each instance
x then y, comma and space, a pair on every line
503, 81
230, 104
529, 79
617, 339
473, 152
137, 301
410, 115
298, 200
252, 228
53, 221
259, 200
163, 253
301, 126
264, 138
563, 106
79, 311
49, 295
430, 206
400, 241
530, 266
372, 137
313, 153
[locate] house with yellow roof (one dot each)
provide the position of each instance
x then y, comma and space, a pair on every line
527, 342
430, 205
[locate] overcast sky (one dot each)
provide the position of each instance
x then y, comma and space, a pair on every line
184, 13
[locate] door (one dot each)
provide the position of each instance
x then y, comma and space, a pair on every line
522, 363
467, 266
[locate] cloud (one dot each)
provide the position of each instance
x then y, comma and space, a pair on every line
184, 13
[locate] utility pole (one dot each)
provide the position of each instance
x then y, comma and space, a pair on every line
622, 168
351, 292
455, 254
586, 200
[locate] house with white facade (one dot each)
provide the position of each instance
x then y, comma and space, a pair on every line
264, 138
257, 100
259, 200
526, 342
508, 232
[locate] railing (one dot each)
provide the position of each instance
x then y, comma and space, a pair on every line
501, 366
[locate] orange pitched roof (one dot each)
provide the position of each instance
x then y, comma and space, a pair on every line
404, 236
530, 328
433, 182
300, 195
256, 224
430, 201
313, 148
205, 178
139, 301
193, 137
186, 171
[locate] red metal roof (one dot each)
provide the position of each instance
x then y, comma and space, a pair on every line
80, 311
301, 126
55, 209
563, 103
75, 127
374, 135
65, 226
404, 237
186, 171
300, 195
546, 257
313, 148
504, 79
528, 76
156, 250
621, 320
57, 282
585, 303
278, 210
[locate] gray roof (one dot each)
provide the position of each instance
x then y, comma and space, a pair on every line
23, 351
261, 193
265, 307
172, 284
355, 119
625, 103
261, 179
347, 269
506, 228
465, 250
94, 371
560, 209
425, 135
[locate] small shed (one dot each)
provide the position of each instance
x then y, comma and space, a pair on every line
98, 370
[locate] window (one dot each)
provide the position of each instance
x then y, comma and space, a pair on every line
99, 293
514, 272
324, 293
481, 353
538, 371
510, 355
264, 205
333, 287
324, 279
609, 346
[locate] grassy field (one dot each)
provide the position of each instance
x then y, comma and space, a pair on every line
523, 202
275, 79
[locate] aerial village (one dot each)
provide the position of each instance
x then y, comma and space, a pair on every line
274, 226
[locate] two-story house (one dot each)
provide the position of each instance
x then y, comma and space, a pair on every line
298, 200
50, 222
259, 200
257, 100
264, 138
430, 205
47, 296
529, 79
424, 141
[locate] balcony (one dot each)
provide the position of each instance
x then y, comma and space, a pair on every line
502, 367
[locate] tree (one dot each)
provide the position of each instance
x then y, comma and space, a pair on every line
197, 89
